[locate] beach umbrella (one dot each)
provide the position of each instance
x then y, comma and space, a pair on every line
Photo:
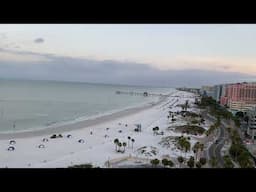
11, 148
69, 136
41, 146
12, 142
81, 141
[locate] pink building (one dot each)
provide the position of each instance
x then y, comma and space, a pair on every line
239, 92
223, 100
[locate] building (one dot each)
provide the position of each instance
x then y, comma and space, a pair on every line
207, 91
218, 89
192, 90
239, 96
224, 87
251, 129
240, 105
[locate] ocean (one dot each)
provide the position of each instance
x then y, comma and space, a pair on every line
31, 105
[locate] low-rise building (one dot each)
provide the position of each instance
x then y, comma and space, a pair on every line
207, 91
192, 90
251, 129
240, 105
224, 100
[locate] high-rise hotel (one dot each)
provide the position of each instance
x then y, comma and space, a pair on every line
239, 96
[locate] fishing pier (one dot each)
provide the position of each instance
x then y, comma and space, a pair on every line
145, 94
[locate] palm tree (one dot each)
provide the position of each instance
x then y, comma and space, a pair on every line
191, 162
129, 138
157, 162
165, 162
196, 148
198, 164
154, 162
170, 163
116, 141
124, 145
133, 140
202, 161
154, 131
180, 160
119, 146
186, 105
201, 147
187, 147
184, 144
181, 142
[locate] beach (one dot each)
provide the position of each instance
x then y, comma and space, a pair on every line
98, 138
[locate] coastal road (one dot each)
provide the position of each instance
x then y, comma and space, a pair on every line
215, 149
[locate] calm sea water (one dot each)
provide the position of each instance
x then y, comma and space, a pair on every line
37, 104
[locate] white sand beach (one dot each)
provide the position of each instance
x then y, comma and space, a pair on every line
98, 135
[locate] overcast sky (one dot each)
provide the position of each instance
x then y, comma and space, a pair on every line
159, 55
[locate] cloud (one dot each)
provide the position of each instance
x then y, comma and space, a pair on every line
52, 67
225, 67
39, 40
227, 64
13, 56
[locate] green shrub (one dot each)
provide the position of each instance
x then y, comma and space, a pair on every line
194, 121
228, 162
82, 166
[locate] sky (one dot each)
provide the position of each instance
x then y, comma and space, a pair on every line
143, 54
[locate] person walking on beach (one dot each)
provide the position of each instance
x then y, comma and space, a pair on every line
13, 126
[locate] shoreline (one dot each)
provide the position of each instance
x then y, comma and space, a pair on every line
81, 124
98, 147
